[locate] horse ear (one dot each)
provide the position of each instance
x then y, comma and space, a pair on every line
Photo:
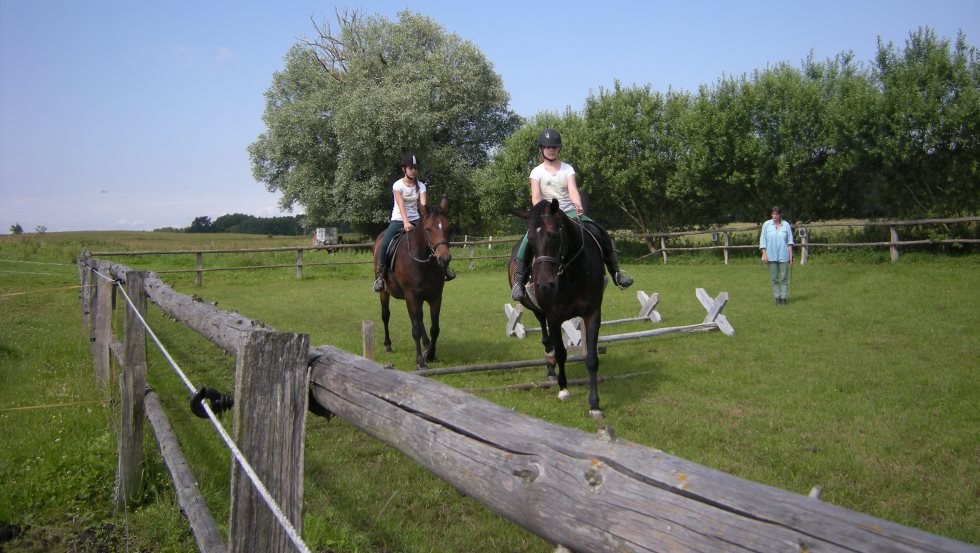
522, 213
444, 204
554, 204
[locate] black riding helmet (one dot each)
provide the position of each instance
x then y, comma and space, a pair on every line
409, 160
549, 137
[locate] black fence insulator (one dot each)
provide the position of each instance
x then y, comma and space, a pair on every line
219, 402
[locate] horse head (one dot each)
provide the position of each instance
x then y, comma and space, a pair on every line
549, 237
435, 227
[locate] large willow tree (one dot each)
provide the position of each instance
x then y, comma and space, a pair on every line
350, 102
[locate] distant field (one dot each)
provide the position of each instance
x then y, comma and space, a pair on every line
865, 384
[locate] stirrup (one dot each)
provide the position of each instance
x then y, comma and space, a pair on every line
379, 284
623, 279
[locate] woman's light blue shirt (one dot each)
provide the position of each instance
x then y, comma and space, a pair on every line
775, 241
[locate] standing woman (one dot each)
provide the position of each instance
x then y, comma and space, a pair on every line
409, 193
555, 179
776, 243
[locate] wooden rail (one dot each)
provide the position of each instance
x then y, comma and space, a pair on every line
587, 492
721, 238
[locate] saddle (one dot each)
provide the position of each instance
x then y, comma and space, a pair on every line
392, 248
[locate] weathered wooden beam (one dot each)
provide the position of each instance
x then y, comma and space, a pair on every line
189, 496
271, 399
132, 387
225, 329
589, 492
545, 384
495, 366
103, 304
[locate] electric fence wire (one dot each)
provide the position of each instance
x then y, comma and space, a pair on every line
256, 481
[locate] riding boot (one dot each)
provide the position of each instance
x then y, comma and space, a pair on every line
450, 273
379, 282
622, 279
520, 273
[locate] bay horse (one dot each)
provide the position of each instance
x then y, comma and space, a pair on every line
567, 280
416, 274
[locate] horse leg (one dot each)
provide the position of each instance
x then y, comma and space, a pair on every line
385, 316
561, 355
591, 326
549, 349
418, 330
434, 307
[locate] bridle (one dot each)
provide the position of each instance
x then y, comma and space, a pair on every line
562, 260
432, 247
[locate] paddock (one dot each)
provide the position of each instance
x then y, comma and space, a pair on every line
520, 467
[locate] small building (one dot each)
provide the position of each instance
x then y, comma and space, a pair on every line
326, 235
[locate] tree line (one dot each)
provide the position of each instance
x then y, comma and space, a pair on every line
898, 136
246, 224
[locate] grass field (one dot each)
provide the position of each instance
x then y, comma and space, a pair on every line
865, 384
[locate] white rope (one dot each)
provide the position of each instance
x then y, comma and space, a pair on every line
35, 262
256, 481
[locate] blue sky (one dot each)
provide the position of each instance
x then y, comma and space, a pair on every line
135, 115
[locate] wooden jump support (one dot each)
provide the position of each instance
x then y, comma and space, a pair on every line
714, 319
648, 312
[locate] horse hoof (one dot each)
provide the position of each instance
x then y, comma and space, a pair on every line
596, 414
564, 394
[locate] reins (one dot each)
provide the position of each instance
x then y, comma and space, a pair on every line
561, 261
432, 247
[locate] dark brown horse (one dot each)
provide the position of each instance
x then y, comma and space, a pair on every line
567, 281
416, 274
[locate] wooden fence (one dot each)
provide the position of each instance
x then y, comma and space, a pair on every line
587, 492
658, 242
721, 238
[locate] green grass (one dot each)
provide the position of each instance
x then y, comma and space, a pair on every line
865, 384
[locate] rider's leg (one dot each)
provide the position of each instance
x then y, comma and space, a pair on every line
520, 270
390, 232
620, 278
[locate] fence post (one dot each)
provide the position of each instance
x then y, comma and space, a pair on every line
894, 240
727, 243
85, 281
299, 264
805, 247
271, 399
132, 390
104, 301
199, 277
663, 248
472, 252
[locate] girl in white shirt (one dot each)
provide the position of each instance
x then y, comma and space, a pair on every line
555, 179
409, 194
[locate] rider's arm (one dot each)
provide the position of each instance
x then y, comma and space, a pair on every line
535, 192
574, 195
401, 208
